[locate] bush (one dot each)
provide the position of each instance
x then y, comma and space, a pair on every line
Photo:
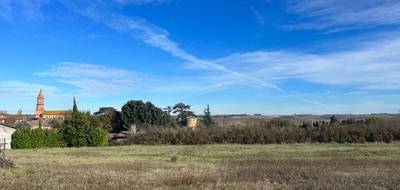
83, 129
97, 136
54, 138
387, 131
21, 138
36, 138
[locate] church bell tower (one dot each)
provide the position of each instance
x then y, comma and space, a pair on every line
39, 105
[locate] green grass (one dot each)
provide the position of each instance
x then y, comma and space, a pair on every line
297, 166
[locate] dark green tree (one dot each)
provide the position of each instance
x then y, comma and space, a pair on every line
75, 107
333, 120
183, 111
208, 121
136, 113
110, 118
56, 124
77, 129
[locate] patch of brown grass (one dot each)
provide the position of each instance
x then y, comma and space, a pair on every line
291, 174
316, 174
313, 166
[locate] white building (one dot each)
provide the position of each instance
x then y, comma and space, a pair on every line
191, 122
5, 135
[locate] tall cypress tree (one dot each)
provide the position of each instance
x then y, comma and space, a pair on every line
75, 108
207, 117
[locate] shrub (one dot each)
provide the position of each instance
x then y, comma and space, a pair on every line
54, 138
97, 136
21, 138
36, 138
83, 129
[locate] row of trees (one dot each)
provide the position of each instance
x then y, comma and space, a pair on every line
137, 115
388, 131
84, 129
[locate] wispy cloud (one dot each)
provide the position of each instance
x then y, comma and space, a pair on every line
94, 80
259, 17
372, 66
154, 36
336, 15
313, 102
198, 85
21, 89
26, 9
105, 12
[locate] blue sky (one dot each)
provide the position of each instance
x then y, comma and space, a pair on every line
244, 56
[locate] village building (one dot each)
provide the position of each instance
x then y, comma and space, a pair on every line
42, 113
5, 136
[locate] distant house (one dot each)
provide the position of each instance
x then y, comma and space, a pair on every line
5, 135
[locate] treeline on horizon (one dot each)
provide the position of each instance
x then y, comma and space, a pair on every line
152, 125
374, 129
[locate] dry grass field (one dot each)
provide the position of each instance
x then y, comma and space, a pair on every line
299, 166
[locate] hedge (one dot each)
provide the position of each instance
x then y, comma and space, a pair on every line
36, 138
270, 135
25, 138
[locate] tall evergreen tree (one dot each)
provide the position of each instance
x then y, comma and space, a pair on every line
75, 108
207, 117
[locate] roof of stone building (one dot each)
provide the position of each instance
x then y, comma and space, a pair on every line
4, 125
54, 112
